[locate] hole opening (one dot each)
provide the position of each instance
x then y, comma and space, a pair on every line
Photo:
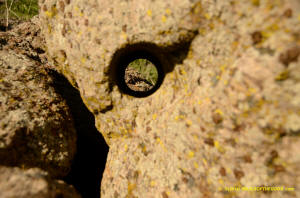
141, 75
138, 70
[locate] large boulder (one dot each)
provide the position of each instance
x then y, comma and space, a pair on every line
36, 127
227, 111
34, 183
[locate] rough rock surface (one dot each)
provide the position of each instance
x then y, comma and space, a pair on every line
227, 114
36, 128
23, 37
33, 183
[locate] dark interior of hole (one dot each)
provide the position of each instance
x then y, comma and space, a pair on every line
130, 57
164, 59
89, 162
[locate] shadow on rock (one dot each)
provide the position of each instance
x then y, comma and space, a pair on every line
89, 163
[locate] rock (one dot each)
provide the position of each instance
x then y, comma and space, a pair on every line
225, 92
15, 182
99, 29
36, 128
24, 37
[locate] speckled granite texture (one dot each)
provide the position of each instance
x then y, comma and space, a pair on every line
34, 183
227, 114
36, 128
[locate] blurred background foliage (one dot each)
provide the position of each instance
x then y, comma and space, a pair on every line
146, 69
19, 9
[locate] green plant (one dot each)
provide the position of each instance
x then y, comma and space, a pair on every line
18, 9
146, 69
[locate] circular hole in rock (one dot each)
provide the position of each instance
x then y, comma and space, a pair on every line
139, 71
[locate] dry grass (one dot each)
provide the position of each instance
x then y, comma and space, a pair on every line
18, 9
146, 69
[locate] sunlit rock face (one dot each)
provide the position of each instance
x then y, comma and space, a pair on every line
227, 112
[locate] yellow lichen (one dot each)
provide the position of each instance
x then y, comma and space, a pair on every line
182, 71
207, 16
223, 67
144, 149
282, 76
211, 26
154, 116
202, 31
51, 13
83, 60
152, 183
195, 137
189, 122
161, 143
163, 18
273, 27
190, 55
204, 162
158, 140
130, 187
124, 35
221, 181
219, 111
209, 181
191, 154
265, 35
49, 29
142, 146
228, 170
90, 29
251, 91
149, 13
234, 45
255, 2
168, 11
219, 147
196, 165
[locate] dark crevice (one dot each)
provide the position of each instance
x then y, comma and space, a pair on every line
108, 108
39, 50
89, 162
3, 28
3, 42
177, 53
35, 57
